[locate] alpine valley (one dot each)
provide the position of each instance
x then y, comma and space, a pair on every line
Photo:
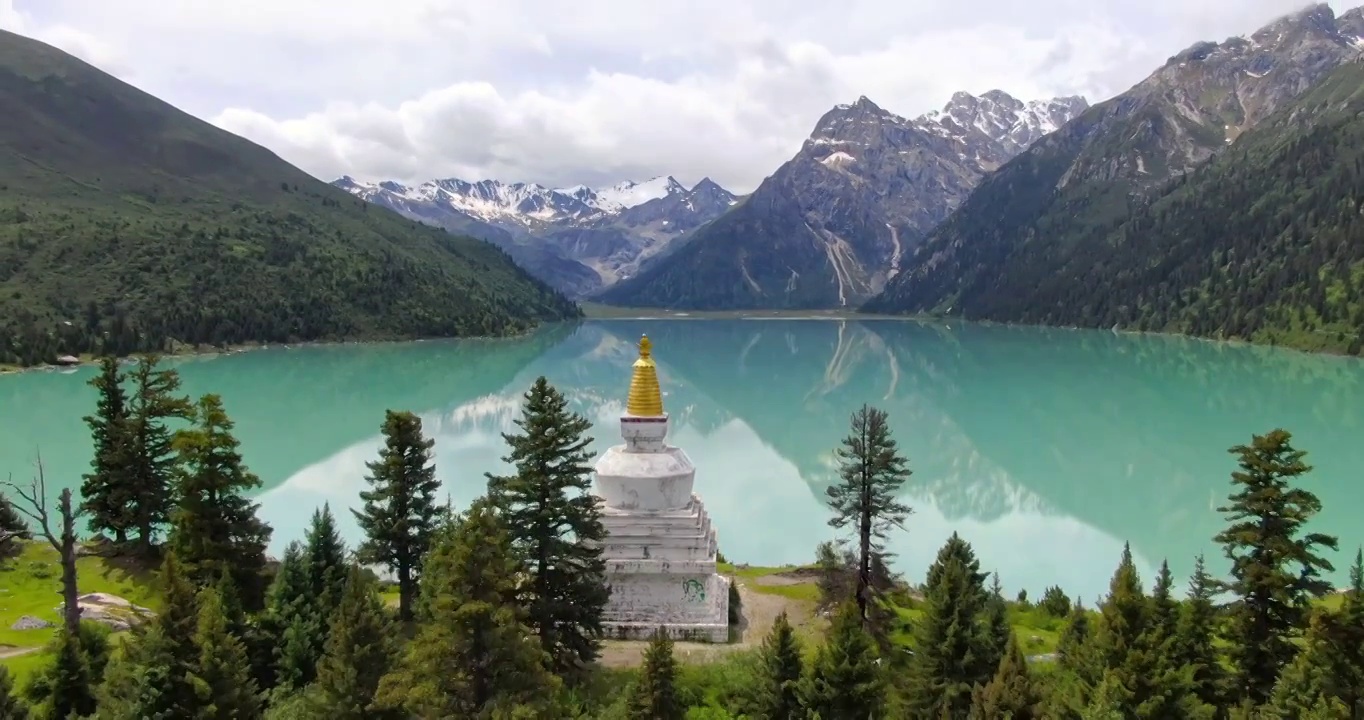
1217, 197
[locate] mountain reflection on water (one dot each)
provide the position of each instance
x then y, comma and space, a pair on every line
1046, 449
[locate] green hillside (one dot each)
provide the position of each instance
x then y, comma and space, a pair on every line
126, 224
1265, 242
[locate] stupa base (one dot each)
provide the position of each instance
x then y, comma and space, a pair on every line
687, 632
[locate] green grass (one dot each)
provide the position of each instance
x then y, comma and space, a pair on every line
30, 584
1038, 632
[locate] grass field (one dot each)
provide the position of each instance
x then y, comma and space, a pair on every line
30, 584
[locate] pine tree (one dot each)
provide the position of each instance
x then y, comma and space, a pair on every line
995, 631
327, 566
475, 654
778, 691
400, 511
305, 594
12, 525
655, 693
359, 652
216, 531
152, 459
1275, 567
1071, 647
871, 473
948, 642
70, 688
1010, 694
556, 525
154, 676
845, 681
1347, 639
1195, 638
291, 622
223, 685
106, 489
11, 707
1308, 686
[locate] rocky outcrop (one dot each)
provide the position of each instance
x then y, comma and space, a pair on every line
834, 223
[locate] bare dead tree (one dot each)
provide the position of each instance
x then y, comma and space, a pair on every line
36, 499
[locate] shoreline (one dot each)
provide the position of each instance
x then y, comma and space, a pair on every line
208, 351
593, 312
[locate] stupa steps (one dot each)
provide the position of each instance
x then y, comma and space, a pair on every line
642, 551
671, 530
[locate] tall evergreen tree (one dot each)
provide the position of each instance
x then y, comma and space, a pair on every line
154, 677
1276, 567
1308, 686
871, 472
302, 600
948, 641
215, 529
400, 510
474, 655
1347, 640
105, 490
995, 631
556, 525
655, 695
845, 681
1010, 694
359, 652
152, 404
291, 622
11, 707
1196, 636
778, 690
223, 685
70, 688
327, 566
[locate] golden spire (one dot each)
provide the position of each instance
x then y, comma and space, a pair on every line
645, 397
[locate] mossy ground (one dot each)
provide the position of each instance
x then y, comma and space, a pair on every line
30, 584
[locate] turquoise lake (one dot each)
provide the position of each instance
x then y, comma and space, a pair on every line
1046, 449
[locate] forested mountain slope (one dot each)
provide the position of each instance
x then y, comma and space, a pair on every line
127, 225
1265, 242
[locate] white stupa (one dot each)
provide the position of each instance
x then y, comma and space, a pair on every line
660, 547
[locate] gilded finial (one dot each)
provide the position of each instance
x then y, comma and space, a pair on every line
646, 399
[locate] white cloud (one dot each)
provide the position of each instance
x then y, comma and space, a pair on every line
601, 90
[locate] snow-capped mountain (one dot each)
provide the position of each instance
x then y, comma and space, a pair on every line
578, 238
833, 223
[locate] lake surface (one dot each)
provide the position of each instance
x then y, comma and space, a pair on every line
1046, 449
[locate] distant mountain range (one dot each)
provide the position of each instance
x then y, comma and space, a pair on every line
1048, 211
578, 239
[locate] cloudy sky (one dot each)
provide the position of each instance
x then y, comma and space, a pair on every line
596, 91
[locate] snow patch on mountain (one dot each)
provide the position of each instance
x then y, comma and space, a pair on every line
524, 203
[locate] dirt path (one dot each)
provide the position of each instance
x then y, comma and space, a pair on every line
760, 611
9, 651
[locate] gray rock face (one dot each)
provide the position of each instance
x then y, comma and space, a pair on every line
1111, 157
578, 239
837, 220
